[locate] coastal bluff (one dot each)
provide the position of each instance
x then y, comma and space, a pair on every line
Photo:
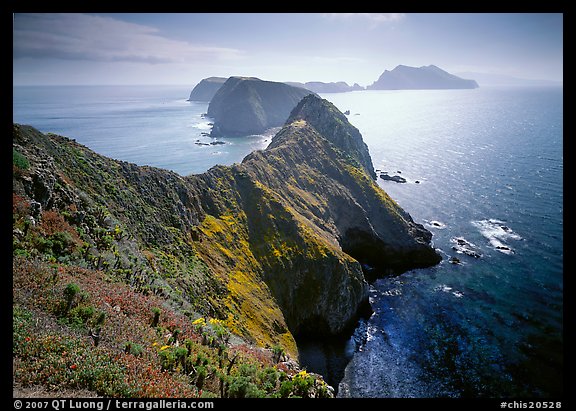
273, 247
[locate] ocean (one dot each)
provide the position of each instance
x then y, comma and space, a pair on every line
484, 173
145, 125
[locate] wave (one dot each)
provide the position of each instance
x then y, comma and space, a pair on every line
203, 125
446, 289
435, 224
498, 234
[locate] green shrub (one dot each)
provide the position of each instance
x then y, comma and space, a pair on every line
79, 316
302, 384
268, 378
238, 387
133, 349
286, 388
62, 243
167, 359
100, 318
277, 353
70, 293
21, 323
19, 160
156, 316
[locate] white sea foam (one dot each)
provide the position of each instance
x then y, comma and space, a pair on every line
435, 224
203, 125
392, 293
463, 246
443, 287
497, 233
446, 289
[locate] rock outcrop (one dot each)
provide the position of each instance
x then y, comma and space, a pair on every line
205, 90
273, 246
247, 105
420, 78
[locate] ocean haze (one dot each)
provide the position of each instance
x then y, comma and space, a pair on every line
491, 80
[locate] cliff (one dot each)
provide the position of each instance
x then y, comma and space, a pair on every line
420, 78
268, 249
247, 105
205, 90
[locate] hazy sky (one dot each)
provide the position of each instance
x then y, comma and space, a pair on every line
159, 48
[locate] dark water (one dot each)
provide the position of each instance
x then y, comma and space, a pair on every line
489, 163
489, 166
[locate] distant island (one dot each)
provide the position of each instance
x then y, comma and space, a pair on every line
420, 78
321, 87
242, 106
248, 105
205, 90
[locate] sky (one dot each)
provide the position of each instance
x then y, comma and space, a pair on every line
183, 48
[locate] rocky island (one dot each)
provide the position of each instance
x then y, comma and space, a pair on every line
322, 87
248, 105
420, 78
183, 275
205, 90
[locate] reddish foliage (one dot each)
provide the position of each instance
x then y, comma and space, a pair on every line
20, 205
52, 222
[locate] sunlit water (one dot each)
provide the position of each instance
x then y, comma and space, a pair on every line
484, 171
490, 168
146, 125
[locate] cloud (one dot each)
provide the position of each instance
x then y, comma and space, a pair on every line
373, 17
71, 36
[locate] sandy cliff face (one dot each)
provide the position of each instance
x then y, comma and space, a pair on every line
272, 246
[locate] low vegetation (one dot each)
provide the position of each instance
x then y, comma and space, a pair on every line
79, 329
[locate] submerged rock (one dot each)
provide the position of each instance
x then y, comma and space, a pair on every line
397, 179
463, 246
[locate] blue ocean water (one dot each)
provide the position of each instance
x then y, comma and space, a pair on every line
489, 166
146, 125
484, 172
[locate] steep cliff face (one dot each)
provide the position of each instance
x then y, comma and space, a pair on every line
272, 246
247, 105
420, 78
320, 165
206, 89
